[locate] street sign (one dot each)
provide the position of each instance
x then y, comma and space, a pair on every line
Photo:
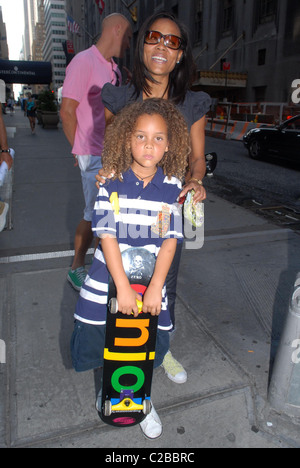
70, 47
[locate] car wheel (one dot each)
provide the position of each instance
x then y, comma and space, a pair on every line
255, 150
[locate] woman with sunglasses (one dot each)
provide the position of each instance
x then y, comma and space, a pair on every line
164, 68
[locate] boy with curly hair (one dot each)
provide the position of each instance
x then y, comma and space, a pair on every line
147, 149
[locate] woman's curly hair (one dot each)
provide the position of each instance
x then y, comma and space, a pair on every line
116, 155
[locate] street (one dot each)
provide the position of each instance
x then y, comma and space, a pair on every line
256, 185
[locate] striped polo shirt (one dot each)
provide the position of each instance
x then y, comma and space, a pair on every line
137, 217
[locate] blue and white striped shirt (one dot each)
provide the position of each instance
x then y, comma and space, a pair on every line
137, 217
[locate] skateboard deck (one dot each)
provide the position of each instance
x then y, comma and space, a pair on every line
129, 349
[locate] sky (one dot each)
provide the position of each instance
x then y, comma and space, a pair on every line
13, 17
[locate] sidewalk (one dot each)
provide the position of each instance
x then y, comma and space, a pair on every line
232, 298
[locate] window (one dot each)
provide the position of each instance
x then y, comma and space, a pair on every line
267, 11
260, 93
261, 57
294, 125
198, 20
228, 16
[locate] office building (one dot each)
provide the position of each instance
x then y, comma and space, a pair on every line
55, 37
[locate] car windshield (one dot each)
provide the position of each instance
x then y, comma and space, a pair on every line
293, 124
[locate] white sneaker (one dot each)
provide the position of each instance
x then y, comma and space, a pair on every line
152, 426
174, 369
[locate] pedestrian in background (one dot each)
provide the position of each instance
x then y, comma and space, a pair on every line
4, 157
82, 114
10, 105
30, 111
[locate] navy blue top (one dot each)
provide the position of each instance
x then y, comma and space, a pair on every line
194, 107
137, 217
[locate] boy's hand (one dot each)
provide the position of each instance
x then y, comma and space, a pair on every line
127, 298
152, 300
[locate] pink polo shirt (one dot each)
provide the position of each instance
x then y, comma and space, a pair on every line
85, 77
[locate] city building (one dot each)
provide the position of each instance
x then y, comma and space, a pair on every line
245, 50
55, 38
5, 91
40, 34
34, 37
252, 46
3, 39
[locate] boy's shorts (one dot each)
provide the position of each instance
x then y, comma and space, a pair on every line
90, 166
87, 345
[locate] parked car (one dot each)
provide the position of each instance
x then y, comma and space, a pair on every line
282, 141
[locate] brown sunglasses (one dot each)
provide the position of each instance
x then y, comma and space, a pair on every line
170, 40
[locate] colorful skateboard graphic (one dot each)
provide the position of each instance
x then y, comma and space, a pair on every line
129, 349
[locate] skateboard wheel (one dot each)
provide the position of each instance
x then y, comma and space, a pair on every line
113, 305
107, 408
146, 407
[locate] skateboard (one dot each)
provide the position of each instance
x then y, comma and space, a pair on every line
129, 348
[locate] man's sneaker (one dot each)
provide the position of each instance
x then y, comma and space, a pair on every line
3, 213
77, 277
174, 369
151, 426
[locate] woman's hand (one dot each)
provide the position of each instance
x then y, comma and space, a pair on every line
200, 192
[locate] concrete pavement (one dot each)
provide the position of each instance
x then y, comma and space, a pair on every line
232, 299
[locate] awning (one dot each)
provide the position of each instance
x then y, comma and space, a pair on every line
221, 79
12, 71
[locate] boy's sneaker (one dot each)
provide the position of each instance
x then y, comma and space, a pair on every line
174, 369
151, 426
76, 277
3, 213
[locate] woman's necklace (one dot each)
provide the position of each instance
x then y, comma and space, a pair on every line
143, 178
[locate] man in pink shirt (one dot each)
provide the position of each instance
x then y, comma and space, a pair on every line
82, 114
4, 157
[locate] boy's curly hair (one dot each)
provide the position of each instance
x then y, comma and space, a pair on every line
117, 157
